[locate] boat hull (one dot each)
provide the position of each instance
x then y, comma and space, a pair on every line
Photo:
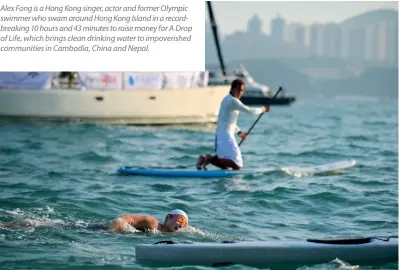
166, 106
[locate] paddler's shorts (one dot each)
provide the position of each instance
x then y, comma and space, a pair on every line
226, 147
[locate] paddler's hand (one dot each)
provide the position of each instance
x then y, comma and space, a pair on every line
243, 135
267, 108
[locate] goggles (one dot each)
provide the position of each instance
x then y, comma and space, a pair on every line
182, 220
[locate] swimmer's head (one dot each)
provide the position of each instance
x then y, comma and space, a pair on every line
175, 220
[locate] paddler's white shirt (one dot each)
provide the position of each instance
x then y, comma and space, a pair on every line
225, 142
228, 114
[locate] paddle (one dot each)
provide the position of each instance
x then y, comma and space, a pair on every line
279, 89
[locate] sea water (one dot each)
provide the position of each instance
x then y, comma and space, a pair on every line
58, 174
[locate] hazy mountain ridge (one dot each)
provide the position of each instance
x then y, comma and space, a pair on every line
235, 47
371, 17
371, 81
299, 75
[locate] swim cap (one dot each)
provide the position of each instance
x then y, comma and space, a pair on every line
179, 212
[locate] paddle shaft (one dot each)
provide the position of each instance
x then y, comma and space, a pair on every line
280, 88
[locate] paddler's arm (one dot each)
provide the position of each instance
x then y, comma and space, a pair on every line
139, 222
6, 225
238, 130
238, 105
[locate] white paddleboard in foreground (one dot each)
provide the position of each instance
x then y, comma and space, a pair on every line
296, 171
365, 250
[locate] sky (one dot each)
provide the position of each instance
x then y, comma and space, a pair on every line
233, 16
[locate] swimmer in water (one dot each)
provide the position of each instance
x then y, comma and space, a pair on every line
174, 220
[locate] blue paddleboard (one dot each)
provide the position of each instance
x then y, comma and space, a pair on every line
188, 173
297, 171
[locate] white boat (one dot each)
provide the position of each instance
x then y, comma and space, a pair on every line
145, 106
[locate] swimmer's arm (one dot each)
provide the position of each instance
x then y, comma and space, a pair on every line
26, 224
139, 222
238, 105
116, 225
6, 225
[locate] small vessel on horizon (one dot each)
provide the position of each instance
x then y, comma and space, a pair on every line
255, 93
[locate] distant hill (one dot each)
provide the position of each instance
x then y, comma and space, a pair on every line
272, 73
382, 82
377, 81
296, 56
297, 74
372, 17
